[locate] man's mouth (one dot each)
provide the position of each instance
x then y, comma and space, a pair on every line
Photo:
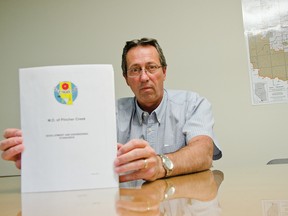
146, 88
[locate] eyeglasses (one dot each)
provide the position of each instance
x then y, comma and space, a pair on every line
136, 71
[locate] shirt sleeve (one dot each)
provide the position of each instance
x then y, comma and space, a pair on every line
200, 121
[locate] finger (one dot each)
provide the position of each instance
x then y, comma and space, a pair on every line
10, 142
132, 144
132, 166
132, 155
132, 176
149, 173
13, 153
12, 132
18, 162
119, 145
145, 174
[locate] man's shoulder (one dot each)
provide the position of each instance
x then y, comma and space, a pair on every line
125, 103
181, 96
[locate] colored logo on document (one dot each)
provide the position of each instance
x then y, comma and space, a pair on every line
66, 92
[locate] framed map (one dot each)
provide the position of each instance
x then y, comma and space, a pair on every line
266, 33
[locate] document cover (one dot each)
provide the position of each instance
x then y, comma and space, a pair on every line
69, 128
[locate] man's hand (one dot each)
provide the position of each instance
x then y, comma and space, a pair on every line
138, 160
12, 146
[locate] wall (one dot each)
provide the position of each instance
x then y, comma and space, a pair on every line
204, 45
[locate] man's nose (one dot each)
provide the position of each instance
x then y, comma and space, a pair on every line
144, 76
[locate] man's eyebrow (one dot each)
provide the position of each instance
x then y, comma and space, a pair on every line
134, 65
147, 63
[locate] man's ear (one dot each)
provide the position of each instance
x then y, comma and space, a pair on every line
126, 79
164, 69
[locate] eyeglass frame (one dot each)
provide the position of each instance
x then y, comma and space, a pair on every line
145, 68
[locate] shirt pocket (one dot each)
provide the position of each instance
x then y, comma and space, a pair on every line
173, 140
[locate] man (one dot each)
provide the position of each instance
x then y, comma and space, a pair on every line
160, 133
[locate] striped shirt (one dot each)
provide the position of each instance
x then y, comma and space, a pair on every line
180, 116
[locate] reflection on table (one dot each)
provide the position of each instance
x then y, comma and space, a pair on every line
82, 202
254, 190
194, 194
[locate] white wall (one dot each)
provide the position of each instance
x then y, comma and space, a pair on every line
204, 45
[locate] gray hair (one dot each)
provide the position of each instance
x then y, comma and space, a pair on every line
141, 42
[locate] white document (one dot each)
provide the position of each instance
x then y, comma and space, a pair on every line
69, 128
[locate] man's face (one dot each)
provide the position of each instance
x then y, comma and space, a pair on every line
148, 88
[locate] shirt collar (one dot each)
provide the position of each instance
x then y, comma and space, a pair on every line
158, 112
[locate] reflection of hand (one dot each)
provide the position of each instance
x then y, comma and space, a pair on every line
12, 146
137, 160
144, 201
202, 186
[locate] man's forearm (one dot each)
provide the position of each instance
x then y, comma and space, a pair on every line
196, 156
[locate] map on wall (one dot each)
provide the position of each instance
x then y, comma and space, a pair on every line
266, 32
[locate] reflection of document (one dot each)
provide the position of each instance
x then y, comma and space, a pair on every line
72, 203
275, 207
69, 127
